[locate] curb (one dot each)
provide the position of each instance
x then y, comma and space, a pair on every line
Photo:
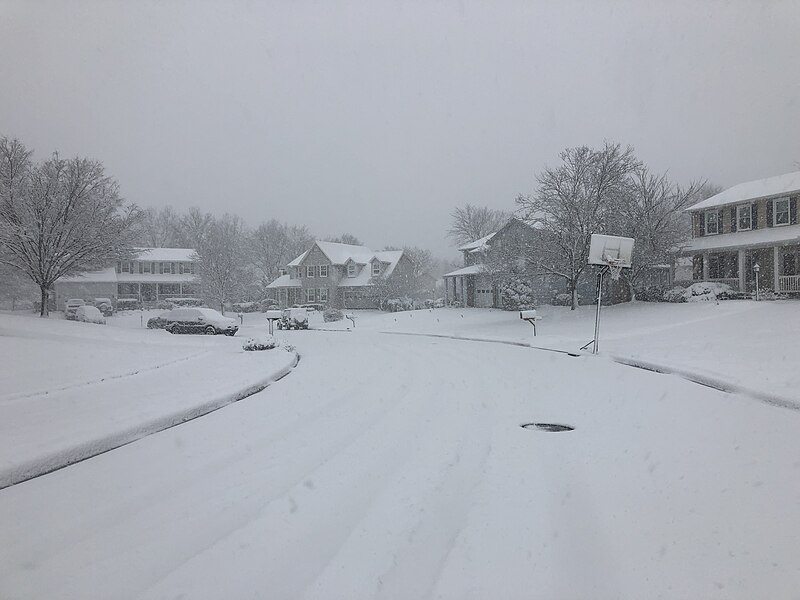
89, 449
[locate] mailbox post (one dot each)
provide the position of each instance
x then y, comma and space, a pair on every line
531, 317
272, 316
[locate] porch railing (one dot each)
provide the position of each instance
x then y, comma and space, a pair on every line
789, 283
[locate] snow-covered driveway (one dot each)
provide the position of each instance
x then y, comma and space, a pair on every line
390, 466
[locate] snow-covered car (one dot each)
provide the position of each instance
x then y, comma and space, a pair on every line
159, 322
89, 314
200, 320
71, 306
104, 306
313, 306
294, 318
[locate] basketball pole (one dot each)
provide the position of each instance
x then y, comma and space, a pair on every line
597, 312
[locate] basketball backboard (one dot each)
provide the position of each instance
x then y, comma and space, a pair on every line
610, 250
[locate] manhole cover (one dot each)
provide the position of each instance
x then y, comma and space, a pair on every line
553, 427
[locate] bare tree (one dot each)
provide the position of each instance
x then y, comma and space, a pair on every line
574, 200
159, 228
60, 217
222, 259
474, 222
193, 228
271, 246
652, 212
345, 238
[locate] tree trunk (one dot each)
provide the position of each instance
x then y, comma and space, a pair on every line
44, 311
573, 284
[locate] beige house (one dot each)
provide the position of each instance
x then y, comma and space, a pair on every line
155, 274
753, 223
341, 275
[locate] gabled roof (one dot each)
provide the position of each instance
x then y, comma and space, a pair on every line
166, 254
477, 244
753, 190
284, 281
108, 275
390, 258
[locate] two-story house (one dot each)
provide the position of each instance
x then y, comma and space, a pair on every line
491, 260
749, 224
340, 275
155, 274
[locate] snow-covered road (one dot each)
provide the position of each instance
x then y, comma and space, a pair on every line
391, 466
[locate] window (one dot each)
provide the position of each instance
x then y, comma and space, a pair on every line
376, 268
712, 223
126, 267
743, 217
310, 271
146, 267
351, 270
323, 294
789, 263
323, 270
780, 211
139, 267
310, 294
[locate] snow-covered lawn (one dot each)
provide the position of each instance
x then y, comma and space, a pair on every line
753, 345
69, 390
394, 466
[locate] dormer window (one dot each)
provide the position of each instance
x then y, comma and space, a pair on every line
712, 222
780, 211
351, 269
744, 217
376, 268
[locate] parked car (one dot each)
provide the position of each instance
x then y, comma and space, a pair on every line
71, 306
200, 320
89, 314
104, 306
293, 318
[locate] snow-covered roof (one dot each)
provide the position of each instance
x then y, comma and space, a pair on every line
389, 258
478, 244
166, 254
155, 277
753, 190
340, 253
284, 281
102, 276
299, 259
470, 270
759, 237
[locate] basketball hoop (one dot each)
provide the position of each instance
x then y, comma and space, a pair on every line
614, 268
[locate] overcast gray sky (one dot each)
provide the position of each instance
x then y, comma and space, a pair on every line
378, 118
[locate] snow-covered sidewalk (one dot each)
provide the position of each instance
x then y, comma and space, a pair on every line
78, 411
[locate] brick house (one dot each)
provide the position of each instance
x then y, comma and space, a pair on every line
748, 224
339, 275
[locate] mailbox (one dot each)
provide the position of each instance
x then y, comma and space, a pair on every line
274, 314
527, 315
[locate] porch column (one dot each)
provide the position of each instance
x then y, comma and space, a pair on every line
180, 289
140, 292
705, 266
776, 258
742, 266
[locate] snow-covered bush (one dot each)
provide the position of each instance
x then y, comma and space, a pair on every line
563, 299
184, 302
332, 314
257, 344
653, 293
399, 304
127, 304
245, 307
517, 294
706, 291
676, 294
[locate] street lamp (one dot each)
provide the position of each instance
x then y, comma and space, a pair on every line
756, 269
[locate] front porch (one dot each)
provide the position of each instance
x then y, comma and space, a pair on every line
779, 268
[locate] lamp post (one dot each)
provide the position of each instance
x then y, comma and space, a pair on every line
756, 269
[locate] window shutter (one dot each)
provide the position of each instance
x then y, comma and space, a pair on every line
734, 224
754, 215
702, 218
769, 213
793, 210
719, 221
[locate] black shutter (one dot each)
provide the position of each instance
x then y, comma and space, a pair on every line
754, 215
720, 213
769, 213
702, 218
793, 210
733, 219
